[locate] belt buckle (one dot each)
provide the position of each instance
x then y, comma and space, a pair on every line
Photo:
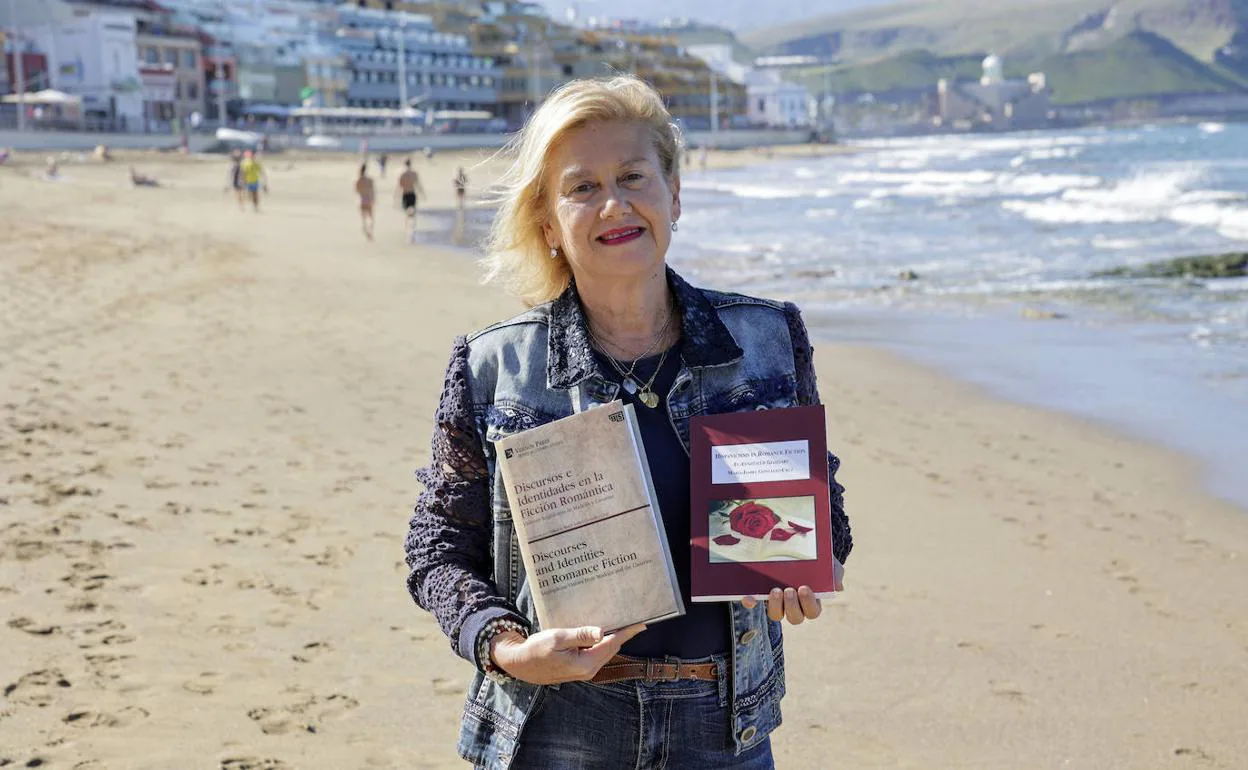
652, 677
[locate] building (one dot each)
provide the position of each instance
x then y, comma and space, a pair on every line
255, 50
995, 101
328, 76
171, 72
93, 53
34, 67
392, 55
775, 102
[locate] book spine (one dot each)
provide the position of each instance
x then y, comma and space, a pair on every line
656, 516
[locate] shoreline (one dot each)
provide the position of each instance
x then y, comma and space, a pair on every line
214, 417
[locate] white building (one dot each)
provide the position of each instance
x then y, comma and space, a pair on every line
774, 102
995, 100
93, 54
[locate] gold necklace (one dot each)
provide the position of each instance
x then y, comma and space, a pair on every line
629, 380
648, 396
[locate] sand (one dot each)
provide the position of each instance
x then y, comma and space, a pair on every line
208, 424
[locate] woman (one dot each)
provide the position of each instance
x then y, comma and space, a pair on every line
590, 207
365, 188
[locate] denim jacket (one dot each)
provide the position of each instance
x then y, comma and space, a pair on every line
738, 353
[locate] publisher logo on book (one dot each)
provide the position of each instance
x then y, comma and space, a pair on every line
509, 453
616, 416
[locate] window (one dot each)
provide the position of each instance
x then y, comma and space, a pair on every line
192, 90
189, 59
171, 56
152, 55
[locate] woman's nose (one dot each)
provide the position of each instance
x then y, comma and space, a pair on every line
616, 204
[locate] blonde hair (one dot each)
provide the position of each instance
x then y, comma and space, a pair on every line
517, 256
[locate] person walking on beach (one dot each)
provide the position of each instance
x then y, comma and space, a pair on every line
382, 159
588, 211
461, 187
461, 191
254, 177
234, 179
365, 189
407, 187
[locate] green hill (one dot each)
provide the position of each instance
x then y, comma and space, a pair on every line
1091, 50
909, 71
1139, 65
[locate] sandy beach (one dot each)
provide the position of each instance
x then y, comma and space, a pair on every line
209, 421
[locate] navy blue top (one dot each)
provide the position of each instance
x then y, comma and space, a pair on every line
704, 628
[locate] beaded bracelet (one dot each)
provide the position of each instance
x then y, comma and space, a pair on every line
488, 632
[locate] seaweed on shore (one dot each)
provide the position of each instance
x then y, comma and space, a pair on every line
1232, 265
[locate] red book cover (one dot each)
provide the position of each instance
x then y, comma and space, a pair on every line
761, 508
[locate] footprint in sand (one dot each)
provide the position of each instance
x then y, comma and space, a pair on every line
253, 763
125, 717
107, 666
33, 627
108, 633
305, 715
204, 684
311, 651
37, 688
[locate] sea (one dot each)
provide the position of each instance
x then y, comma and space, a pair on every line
978, 254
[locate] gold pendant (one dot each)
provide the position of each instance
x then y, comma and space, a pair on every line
649, 399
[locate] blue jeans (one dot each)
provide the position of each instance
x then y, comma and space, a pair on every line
681, 725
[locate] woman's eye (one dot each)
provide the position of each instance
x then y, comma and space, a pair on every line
581, 188
634, 177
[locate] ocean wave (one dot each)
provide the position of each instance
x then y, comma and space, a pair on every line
756, 191
1229, 221
967, 184
1148, 197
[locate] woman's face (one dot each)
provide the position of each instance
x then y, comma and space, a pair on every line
610, 206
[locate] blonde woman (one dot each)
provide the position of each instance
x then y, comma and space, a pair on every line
591, 205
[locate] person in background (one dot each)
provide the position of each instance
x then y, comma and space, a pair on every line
407, 187
588, 212
254, 177
365, 189
142, 180
461, 187
234, 179
382, 159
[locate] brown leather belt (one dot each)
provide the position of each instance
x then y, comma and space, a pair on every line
622, 667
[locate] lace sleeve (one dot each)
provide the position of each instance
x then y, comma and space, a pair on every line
808, 394
448, 541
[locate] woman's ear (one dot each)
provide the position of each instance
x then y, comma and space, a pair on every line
548, 232
675, 199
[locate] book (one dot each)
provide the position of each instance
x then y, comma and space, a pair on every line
760, 504
588, 521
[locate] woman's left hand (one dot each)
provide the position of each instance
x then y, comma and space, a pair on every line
796, 604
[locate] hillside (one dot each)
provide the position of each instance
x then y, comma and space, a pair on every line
1138, 65
1028, 29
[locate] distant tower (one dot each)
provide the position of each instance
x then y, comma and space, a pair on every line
994, 71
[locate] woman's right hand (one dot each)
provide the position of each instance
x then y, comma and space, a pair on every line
558, 655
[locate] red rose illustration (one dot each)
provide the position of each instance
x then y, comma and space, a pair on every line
752, 520
798, 528
781, 534
727, 540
